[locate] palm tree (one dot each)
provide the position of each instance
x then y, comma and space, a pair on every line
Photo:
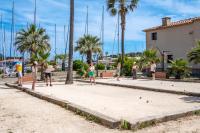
194, 54
69, 79
32, 40
87, 45
121, 7
61, 57
43, 61
180, 68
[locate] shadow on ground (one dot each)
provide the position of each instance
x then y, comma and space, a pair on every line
191, 99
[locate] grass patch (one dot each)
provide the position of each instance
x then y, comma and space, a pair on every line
125, 125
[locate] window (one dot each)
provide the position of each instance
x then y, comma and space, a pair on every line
169, 58
154, 36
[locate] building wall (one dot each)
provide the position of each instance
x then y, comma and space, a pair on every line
178, 40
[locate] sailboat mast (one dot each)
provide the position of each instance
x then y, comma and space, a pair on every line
4, 46
102, 28
35, 12
55, 41
12, 30
118, 32
86, 24
2, 33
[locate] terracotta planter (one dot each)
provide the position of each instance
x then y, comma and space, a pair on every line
27, 78
106, 74
161, 75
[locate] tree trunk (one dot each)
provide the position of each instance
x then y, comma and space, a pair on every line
89, 57
123, 19
42, 72
69, 79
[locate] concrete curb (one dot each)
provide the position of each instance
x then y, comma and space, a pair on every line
146, 122
88, 114
106, 120
147, 88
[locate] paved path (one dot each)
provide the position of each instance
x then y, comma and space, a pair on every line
156, 84
120, 103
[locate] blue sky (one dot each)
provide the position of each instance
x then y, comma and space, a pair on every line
51, 12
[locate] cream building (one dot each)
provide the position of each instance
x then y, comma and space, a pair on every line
174, 39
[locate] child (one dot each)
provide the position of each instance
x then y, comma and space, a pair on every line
118, 71
91, 73
134, 71
153, 69
19, 73
34, 74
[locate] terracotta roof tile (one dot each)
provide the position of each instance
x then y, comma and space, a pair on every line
174, 24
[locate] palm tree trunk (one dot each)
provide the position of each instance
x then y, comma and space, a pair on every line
89, 57
123, 19
42, 72
69, 79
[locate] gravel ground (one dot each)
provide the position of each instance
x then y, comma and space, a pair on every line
156, 84
120, 103
22, 113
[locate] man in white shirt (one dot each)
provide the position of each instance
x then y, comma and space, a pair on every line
48, 72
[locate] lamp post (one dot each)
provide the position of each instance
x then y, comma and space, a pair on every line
163, 59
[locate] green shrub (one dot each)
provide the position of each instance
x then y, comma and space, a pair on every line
77, 65
100, 66
80, 67
28, 71
128, 67
179, 68
1, 71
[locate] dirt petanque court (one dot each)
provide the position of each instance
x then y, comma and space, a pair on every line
121, 103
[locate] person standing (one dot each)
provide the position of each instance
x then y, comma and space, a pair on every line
153, 69
91, 73
134, 71
118, 71
19, 72
48, 74
34, 74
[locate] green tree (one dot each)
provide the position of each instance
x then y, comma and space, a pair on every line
63, 58
147, 57
87, 45
42, 59
121, 7
194, 54
32, 40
